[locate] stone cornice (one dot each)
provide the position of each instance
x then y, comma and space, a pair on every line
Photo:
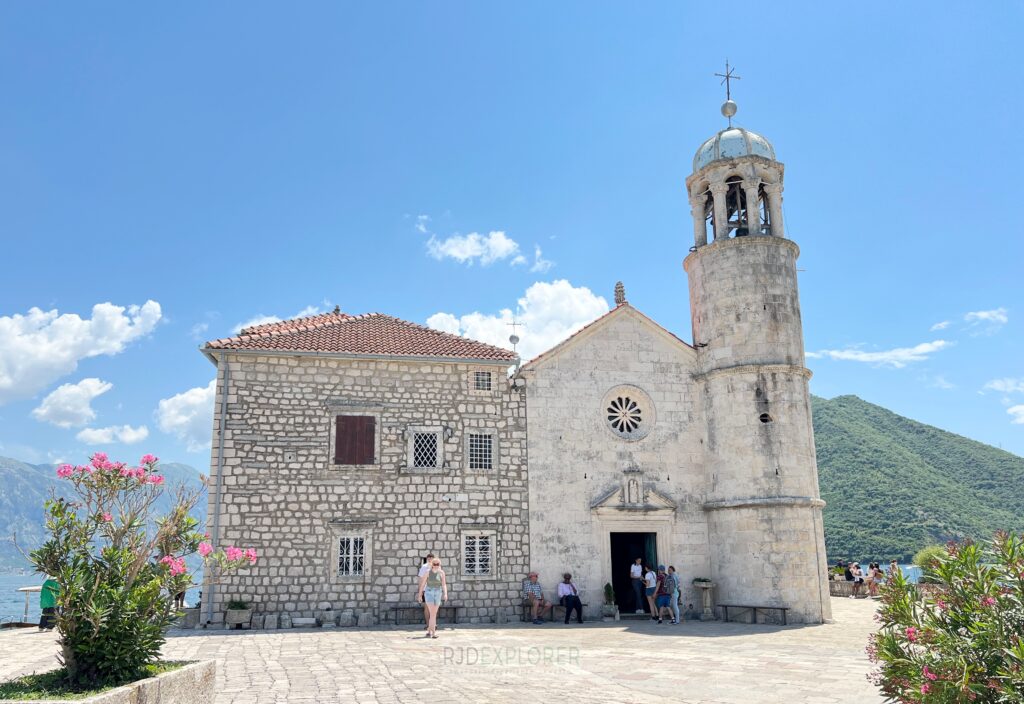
766, 501
755, 368
748, 241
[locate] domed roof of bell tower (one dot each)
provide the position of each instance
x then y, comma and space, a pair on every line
730, 143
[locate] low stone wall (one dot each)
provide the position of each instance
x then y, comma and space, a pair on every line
191, 684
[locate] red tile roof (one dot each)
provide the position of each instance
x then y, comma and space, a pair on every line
369, 334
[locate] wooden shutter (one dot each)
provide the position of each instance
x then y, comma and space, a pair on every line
354, 439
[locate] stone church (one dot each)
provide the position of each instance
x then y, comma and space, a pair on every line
345, 447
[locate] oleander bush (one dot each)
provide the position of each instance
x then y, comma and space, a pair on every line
119, 567
961, 639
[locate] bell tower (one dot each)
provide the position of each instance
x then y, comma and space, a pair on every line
763, 506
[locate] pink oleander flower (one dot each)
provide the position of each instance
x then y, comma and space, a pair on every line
125, 471
98, 459
83, 469
250, 555
988, 601
148, 459
139, 473
175, 565
911, 634
108, 516
942, 606
205, 549
925, 688
156, 479
233, 554
65, 471
928, 674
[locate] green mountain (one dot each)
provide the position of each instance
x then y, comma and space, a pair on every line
893, 485
24, 487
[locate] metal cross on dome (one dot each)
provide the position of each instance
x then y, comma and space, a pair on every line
729, 108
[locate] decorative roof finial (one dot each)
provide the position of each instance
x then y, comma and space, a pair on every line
337, 309
620, 293
729, 108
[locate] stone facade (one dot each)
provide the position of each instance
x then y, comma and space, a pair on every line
282, 493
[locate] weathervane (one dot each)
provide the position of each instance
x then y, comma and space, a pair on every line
728, 107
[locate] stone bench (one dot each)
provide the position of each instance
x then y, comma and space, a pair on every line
397, 610
527, 610
754, 609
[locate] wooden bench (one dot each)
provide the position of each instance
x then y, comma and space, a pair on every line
528, 610
725, 611
398, 609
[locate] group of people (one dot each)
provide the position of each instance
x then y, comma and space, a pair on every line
872, 578
568, 596
660, 588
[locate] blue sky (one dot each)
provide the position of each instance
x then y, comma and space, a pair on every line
234, 161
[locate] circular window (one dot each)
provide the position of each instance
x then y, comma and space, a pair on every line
627, 412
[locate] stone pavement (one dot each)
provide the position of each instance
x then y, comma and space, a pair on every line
699, 663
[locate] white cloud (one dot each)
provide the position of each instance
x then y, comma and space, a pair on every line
40, 347
69, 405
986, 322
898, 358
189, 416
1017, 413
421, 223
198, 330
940, 382
940, 326
540, 264
474, 247
1007, 385
115, 433
549, 312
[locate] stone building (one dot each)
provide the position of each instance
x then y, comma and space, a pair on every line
346, 447
701, 456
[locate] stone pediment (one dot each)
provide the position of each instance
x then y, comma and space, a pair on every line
633, 499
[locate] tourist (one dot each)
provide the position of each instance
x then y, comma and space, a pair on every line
663, 593
533, 594
674, 591
48, 603
433, 591
874, 578
424, 568
179, 600
636, 575
894, 569
569, 597
651, 587
857, 577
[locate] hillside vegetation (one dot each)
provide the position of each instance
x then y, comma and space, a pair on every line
894, 485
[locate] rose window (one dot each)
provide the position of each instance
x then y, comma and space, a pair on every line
624, 414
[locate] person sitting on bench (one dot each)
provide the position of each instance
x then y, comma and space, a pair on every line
533, 594
569, 597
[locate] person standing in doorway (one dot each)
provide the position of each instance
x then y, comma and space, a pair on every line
650, 588
569, 597
433, 592
48, 604
636, 576
424, 568
673, 586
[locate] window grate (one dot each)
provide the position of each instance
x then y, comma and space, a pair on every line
476, 554
481, 453
482, 381
350, 556
424, 450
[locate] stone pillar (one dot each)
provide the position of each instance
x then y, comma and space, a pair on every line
774, 191
700, 230
718, 191
750, 190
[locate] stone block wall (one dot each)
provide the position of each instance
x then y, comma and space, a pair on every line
282, 494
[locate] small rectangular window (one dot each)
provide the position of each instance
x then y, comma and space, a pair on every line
354, 439
481, 451
477, 553
424, 449
482, 381
351, 553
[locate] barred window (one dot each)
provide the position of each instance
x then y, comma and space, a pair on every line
351, 554
481, 451
477, 553
424, 450
482, 381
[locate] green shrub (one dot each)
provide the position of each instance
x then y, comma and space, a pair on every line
238, 604
119, 567
962, 640
926, 558
609, 593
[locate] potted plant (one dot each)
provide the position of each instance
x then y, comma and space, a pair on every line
609, 608
239, 612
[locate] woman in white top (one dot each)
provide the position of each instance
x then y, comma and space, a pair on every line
419, 577
651, 584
